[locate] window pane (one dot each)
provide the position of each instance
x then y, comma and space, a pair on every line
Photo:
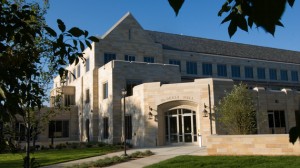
273, 74
261, 73
222, 70
87, 65
248, 72
149, 59
207, 69
235, 71
282, 119
129, 58
175, 62
191, 67
105, 90
109, 57
294, 75
284, 75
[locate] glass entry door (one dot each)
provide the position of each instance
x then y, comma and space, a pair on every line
180, 126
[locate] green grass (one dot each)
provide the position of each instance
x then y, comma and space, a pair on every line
48, 157
230, 162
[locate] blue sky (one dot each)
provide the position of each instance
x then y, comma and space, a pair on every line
196, 18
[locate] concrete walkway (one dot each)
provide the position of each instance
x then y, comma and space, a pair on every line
161, 153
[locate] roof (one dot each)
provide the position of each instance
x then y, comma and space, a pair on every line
215, 47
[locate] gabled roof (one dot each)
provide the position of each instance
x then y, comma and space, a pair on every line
215, 47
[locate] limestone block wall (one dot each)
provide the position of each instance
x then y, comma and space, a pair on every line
264, 144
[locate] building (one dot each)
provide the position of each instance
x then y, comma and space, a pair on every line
168, 79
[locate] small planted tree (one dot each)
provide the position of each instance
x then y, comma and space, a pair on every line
236, 112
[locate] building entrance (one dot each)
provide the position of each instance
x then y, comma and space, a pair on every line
180, 126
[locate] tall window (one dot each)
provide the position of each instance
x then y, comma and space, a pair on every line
273, 74
261, 74
128, 126
235, 71
222, 70
109, 57
248, 72
59, 129
78, 71
294, 75
207, 69
149, 59
191, 67
276, 121
130, 84
283, 75
105, 128
105, 90
74, 74
129, 58
175, 62
87, 96
87, 65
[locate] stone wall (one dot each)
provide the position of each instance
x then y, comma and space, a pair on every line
264, 144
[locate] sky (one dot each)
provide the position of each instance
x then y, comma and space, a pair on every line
196, 18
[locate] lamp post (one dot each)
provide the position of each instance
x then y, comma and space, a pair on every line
124, 92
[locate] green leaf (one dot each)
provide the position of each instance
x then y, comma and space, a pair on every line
93, 38
75, 42
81, 46
75, 31
88, 44
250, 22
86, 33
61, 25
50, 31
242, 23
232, 28
279, 24
2, 94
291, 2
229, 17
176, 5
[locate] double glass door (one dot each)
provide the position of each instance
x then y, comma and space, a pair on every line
180, 126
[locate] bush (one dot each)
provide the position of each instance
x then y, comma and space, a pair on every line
61, 146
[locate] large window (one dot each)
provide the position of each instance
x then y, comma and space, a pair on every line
273, 74
87, 65
283, 75
129, 58
191, 67
59, 129
105, 128
222, 70
276, 121
294, 75
248, 72
109, 57
235, 71
261, 74
105, 90
128, 126
149, 59
207, 69
175, 62
130, 84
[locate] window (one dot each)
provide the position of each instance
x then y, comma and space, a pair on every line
87, 65
69, 100
20, 131
149, 59
207, 69
175, 62
87, 96
128, 126
235, 71
283, 75
129, 58
248, 72
105, 90
273, 74
59, 129
109, 57
222, 70
74, 74
294, 75
78, 71
276, 120
105, 128
130, 84
261, 74
191, 67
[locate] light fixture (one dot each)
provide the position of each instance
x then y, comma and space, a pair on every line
124, 92
205, 112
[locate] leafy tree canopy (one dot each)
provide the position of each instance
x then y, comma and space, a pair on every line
243, 14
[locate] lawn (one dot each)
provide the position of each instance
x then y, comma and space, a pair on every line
230, 162
48, 157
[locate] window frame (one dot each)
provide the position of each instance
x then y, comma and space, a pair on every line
148, 59
207, 69
284, 75
129, 58
191, 67
294, 76
261, 73
273, 74
249, 72
109, 57
222, 70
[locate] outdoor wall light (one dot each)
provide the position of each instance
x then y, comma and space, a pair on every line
205, 112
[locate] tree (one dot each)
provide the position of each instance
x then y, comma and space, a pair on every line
236, 111
243, 14
30, 54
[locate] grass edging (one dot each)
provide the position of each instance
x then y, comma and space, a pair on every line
108, 161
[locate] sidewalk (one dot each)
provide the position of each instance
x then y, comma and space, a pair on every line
161, 153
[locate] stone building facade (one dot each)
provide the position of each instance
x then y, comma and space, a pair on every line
168, 79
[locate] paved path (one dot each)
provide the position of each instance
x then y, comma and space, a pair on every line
161, 153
